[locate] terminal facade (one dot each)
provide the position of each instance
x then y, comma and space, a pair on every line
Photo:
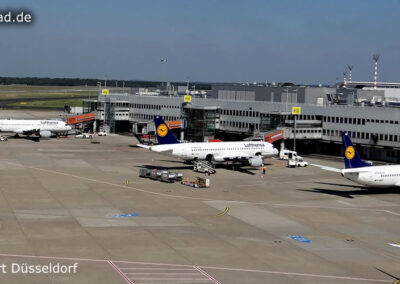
234, 112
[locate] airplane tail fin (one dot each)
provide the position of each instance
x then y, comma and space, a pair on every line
164, 135
351, 157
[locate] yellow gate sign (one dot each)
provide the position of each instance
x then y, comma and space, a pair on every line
296, 110
105, 92
187, 99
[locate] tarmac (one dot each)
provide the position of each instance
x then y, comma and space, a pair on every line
65, 201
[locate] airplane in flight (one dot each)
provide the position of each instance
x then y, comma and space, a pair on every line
362, 172
40, 128
242, 152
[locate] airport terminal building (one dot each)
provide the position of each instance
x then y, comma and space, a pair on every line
234, 112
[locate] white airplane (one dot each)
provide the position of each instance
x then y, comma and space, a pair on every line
364, 173
41, 128
250, 152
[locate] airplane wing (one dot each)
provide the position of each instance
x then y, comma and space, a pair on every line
331, 169
238, 156
26, 131
143, 146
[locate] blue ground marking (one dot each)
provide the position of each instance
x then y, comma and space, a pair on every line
125, 215
299, 239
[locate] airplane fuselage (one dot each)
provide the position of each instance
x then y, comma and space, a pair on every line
27, 126
374, 176
218, 151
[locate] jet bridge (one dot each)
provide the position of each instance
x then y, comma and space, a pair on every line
76, 119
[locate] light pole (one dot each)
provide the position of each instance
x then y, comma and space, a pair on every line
164, 62
294, 92
99, 84
295, 128
287, 99
294, 134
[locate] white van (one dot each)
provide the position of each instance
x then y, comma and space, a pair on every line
287, 155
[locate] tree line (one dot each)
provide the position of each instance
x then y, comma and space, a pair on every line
45, 81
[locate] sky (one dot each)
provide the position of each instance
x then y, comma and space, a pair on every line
305, 42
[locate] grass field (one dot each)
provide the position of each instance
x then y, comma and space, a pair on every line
23, 91
14, 96
48, 103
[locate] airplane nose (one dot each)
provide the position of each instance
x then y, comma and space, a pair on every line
69, 127
276, 152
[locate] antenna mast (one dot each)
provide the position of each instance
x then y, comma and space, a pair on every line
350, 69
376, 58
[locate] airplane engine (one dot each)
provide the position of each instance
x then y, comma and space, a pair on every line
218, 159
45, 133
256, 161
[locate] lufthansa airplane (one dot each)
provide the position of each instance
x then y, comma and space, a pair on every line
41, 128
251, 152
364, 173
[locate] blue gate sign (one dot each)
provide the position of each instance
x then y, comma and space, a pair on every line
125, 215
299, 239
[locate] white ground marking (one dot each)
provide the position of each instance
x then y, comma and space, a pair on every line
332, 207
204, 267
207, 275
120, 272
345, 203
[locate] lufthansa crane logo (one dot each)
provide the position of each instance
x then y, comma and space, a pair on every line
162, 130
350, 152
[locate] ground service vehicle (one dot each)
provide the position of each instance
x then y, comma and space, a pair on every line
167, 176
145, 173
297, 162
102, 133
84, 136
287, 154
196, 182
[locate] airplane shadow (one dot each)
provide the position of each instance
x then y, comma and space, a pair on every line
34, 139
351, 193
176, 162
136, 146
164, 168
238, 168
228, 167
344, 185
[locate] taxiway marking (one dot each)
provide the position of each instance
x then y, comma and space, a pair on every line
223, 212
120, 272
205, 267
206, 275
331, 207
